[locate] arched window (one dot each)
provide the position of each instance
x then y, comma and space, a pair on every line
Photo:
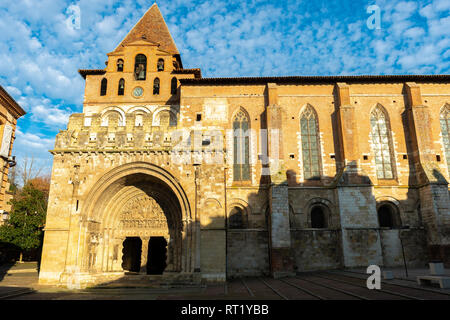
310, 144
160, 65
103, 87
156, 86
318, 218
382, 144
120, 65
140, 67
121, 87
236, 220
388, 215
445, 128
241, 132
173, 86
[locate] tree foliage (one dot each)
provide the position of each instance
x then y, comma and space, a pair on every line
27, 218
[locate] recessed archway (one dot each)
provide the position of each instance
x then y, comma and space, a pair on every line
142, 201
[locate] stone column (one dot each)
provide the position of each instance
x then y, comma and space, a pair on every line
281, 256
361, 243
144, 254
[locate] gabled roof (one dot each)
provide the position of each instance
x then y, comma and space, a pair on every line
152, 28
11, 104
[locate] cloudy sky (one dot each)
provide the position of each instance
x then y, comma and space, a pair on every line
42, 46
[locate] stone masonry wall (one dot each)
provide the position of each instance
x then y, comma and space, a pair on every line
247, 253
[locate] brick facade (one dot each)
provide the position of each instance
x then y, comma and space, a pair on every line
178, 150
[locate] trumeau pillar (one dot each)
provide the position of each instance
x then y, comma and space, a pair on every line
144, 254
361, 245
281, 256
433, 187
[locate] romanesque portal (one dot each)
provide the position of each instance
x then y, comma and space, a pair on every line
139, 219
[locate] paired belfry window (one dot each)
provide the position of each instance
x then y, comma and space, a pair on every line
445, 128
241, 146
120, 65
381, 140
160, 65
103, 87
310, 144
121, 87
140, 67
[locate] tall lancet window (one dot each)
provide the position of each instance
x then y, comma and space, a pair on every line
382, 144
445, 128
310, 144
241, 147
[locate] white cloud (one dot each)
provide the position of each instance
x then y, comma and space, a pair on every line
40, 55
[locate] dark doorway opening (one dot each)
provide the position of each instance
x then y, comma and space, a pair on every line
318, 218
385, 217
131, 259
157, 253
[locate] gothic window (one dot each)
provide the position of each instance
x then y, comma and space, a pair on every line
140, 67
236, 220
241, 132
160, 65
120, 65
173, 86
121, 87
445, 128
381, 144
103, 87
310, 144
318, 218
156, 86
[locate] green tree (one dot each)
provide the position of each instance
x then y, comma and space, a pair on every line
27, 218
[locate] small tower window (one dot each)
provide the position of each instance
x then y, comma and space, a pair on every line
388, 216
103, 87
120, 65
236, 220
160, 65
140, 67
318, 218
121, 87
173, 86
156, 86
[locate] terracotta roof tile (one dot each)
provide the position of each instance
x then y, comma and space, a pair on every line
153, 28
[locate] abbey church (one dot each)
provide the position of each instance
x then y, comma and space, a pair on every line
169, 175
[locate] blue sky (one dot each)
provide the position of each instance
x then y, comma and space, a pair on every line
40, 51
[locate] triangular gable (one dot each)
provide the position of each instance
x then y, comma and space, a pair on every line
151, 28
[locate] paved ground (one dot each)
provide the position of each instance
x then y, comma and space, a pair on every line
19, 282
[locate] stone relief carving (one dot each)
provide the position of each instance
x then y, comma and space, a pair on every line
143, 212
